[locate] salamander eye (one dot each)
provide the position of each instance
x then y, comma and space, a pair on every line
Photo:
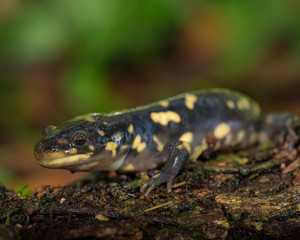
80, 139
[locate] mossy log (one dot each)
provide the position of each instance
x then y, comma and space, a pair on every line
251, 194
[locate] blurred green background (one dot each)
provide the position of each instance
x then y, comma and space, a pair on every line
60, 59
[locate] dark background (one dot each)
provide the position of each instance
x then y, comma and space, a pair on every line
60, 59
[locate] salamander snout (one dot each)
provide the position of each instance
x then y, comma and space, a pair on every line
42, 148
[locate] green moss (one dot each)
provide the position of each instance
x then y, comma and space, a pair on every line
24, 191
254, 175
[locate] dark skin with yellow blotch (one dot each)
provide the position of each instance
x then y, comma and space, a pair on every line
168, 133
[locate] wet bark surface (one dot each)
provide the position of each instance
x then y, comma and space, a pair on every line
252, 194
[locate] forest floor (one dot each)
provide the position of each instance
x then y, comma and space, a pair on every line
252, 194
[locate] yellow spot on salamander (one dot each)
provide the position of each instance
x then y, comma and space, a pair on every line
228, 140
186, 137
141, 147
130, 128
252, 138
190, 100
138, 144
243, 104
101, 133
184, 145
222, 130
73, 151
160, 146
240, 136
129, 167
198, 150
90, 119
256, 109
123, 147
62, 141
136, 141
111, 146
230, 104
164, 103
165, 117
92, 147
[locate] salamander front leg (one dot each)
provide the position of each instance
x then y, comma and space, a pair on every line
179, 153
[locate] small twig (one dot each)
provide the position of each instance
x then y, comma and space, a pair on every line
158, 206
292, 166
179, 184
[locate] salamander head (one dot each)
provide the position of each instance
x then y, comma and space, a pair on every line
82, 144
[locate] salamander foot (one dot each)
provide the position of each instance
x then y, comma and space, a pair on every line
156, 181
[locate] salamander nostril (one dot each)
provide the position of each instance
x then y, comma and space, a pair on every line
43, 147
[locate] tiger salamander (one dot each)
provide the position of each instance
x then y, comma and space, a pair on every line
167, 132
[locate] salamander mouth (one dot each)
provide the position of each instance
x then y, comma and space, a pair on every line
59, 160
79, 162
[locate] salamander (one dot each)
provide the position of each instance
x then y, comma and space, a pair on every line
168, 133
